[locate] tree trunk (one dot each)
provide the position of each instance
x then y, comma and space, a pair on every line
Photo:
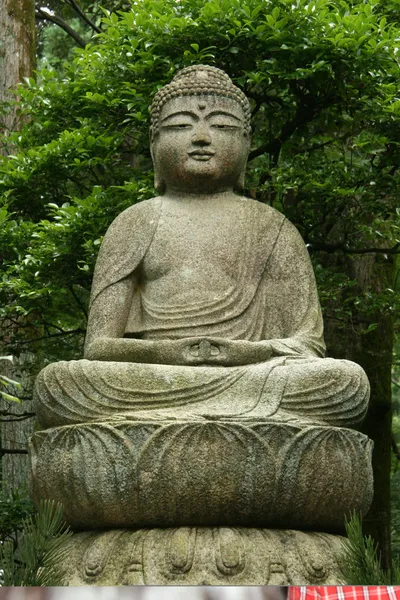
17, 50
17, 60
373, 351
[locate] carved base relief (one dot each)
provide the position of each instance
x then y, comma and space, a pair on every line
152, 474
203, 556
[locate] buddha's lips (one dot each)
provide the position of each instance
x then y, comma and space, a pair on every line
201, 154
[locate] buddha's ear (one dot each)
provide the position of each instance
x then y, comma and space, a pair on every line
248, 135
239, 186
152, 139
159, 184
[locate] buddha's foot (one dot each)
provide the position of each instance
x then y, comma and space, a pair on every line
153, 474
203, 556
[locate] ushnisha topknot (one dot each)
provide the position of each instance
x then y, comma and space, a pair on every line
198, 80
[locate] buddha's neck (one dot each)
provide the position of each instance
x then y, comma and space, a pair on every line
198, 197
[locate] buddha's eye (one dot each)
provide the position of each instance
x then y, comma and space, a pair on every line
224, 126
177, 126
224, 123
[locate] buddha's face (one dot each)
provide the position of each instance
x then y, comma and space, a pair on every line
202, 145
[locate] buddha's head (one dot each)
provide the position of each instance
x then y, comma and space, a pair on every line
200, 133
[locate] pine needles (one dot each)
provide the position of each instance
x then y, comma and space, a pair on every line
360, 562
38, 559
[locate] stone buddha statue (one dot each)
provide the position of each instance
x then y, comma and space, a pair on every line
204, 412
204, 302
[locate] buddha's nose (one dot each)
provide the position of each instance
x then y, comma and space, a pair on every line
201, 136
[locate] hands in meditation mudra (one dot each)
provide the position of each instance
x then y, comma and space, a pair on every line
205, 334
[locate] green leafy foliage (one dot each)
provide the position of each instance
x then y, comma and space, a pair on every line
38, 558
14, 508
323, 80
7, 382
54, 45
360, 563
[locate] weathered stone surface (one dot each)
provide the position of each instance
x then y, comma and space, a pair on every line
203, 556
151, 474
285, 388
206, 299
204, 401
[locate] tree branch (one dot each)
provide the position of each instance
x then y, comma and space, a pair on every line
13, 417
57, 20
393, 170
51, 335
78, 301
10, 413
83, 16
15, 420
343, 138
303, 115
4, 451
331, 248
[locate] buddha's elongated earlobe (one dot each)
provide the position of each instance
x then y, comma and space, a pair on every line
159, 183
239, 186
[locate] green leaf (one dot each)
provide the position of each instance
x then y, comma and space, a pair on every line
7, 380
10, 397
275, 13
42, 550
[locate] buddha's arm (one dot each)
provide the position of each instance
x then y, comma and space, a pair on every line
106, 327
107, 319
131, 350
243, 352
293, 287
173, 352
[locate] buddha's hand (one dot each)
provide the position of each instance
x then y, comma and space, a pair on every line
223, 352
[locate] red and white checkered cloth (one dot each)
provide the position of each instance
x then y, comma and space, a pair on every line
345, 592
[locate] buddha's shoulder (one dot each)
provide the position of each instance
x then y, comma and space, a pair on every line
139, 214
263, 212
268, 219
140, 209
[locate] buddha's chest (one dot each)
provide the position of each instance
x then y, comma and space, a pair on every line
195, 245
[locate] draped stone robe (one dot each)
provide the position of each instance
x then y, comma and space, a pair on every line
273, 297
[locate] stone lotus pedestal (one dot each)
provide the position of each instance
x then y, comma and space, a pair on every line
204, 501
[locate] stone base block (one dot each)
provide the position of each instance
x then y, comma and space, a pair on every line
203, 556
151, 474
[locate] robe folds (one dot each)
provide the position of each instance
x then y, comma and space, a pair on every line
274, 297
